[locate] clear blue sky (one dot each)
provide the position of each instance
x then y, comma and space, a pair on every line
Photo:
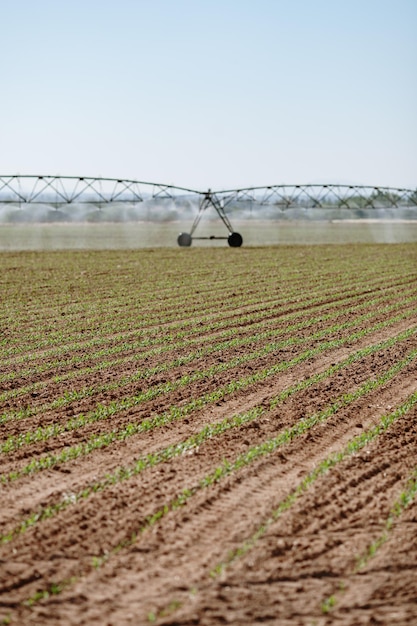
211, 93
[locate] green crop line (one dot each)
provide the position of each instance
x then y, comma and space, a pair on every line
90, 391
304, 323
175, 413
306, 423
154, 331
208, 293
226, 333
150, 317
145, 339
183, 292
42, 434
53, 590
73, 396
81, 370
355, 444
122, 346
212, 430
151, 323
404, 500
165, 284
27, 411
69, 397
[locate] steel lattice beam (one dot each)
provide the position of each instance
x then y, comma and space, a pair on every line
62, 190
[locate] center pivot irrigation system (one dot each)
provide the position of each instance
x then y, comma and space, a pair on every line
59, 193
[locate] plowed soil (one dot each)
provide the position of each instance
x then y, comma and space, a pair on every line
192, 362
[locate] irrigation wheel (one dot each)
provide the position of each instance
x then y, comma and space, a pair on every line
184, 240
235, 240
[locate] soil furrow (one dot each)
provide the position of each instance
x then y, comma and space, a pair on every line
209, 436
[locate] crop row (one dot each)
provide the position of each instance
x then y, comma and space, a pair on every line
103, 316
160, 393
405, 499
96, 309
252, 455
121, 329
328, 464
167, 342
209, 432
104, 412
149, 325
77, 271
247, 340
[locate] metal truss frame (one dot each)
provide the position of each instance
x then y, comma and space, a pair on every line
56, 190
31, 189
66, 190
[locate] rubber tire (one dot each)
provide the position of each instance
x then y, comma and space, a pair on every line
235, 240
184, 240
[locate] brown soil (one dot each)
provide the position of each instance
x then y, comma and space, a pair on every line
99, 561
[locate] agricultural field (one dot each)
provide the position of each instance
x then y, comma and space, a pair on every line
209, 436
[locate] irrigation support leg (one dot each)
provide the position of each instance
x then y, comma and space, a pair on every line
211, 200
